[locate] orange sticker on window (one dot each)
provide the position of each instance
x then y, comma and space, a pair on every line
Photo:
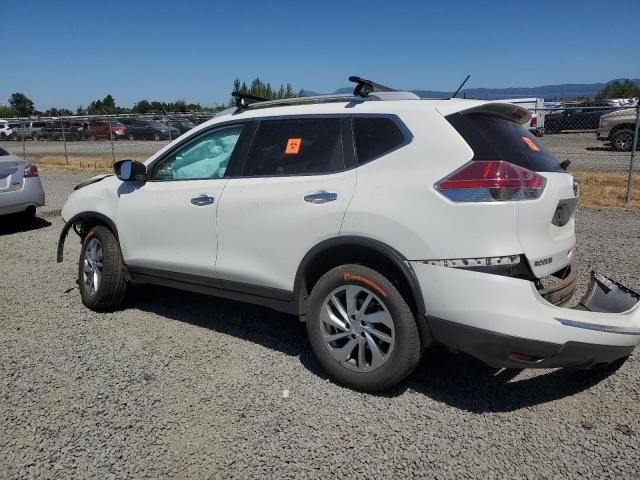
293, 146
532, 145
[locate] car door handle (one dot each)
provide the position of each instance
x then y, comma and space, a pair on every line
202, 200
321, 197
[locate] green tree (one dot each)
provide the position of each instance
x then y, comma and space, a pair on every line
21, 105
58, 112
260, 89
142, 106
625, 89
6, 112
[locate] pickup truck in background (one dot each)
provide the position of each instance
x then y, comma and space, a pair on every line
618, 127
27, 129
536, 108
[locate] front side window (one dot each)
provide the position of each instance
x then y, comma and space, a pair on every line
297, 147
205, 157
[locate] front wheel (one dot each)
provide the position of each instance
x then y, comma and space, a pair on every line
622, 140
361, 329
102, 280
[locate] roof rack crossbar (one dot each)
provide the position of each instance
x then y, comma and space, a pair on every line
243, 99
364, 87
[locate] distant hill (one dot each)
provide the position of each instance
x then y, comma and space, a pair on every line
565, 91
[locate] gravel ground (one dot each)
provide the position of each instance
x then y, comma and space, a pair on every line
179, 385
582, 148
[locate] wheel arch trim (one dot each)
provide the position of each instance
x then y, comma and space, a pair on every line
391, 254
83, 216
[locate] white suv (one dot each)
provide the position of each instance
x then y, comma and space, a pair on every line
386, 222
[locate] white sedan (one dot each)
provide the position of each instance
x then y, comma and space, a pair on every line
20, 187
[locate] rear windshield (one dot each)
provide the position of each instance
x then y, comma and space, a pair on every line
493, 138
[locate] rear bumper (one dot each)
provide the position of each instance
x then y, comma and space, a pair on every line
31, 194
497, 350
603, 133
491, 316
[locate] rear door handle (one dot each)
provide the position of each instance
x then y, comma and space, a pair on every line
321, 197
202, 200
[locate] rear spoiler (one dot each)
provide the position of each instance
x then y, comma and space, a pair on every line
505, 111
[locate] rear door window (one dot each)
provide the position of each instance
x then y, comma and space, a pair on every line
302, 146
375, 136
493, 138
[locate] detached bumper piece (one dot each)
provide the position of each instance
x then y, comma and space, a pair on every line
509, 323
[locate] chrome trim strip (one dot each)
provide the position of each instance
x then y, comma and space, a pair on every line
600, 328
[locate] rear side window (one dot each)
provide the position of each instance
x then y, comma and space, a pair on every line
297, 147
375, 136
3, 152
493, 138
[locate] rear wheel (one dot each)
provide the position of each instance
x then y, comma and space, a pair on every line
622, 140
156, 136
131, 136
101, 270
92, 138
361, 329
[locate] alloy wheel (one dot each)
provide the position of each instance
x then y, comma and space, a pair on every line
623, 141
357, 328
92, 266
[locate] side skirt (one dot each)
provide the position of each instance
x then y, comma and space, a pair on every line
276, 299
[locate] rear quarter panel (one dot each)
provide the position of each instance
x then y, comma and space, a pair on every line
395, 201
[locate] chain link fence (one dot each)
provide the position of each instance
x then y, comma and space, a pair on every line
596, 136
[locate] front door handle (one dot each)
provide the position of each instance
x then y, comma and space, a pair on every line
321, 197
202, 200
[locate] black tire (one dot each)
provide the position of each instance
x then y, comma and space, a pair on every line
622, 140
551, 129
406, 352
93, 138
156, 136
112, 287
132, 137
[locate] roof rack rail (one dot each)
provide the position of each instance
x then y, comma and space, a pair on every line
364, 87
265, 103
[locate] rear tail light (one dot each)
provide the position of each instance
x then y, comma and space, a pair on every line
30, 171
534, 122
491, 181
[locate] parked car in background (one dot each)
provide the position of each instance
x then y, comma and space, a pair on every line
536, 109
619, 128
20, 186
387, 224
5, 130
582, 116
182, 124
66, 130
99, 129
145, 129
28, 129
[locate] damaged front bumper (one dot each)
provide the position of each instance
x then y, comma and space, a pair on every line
506, 322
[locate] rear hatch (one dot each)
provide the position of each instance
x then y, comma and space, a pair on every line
546, 224
11, 172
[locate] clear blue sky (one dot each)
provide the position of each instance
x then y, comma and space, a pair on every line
68, 53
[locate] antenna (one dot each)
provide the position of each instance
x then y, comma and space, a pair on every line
460, 87
365, 87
